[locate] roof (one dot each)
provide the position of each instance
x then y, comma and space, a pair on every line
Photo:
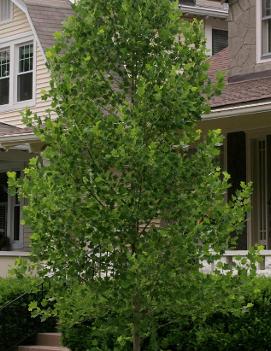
238, 90
212, 8
7, 129
47, 17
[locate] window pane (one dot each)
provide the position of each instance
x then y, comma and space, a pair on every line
16, 223
266, 8
219, 40
4, 91
26, 58
4, 77
4, 63
25, 86
266, 37
5, 7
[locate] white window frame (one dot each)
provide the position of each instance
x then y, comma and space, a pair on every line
10, 15
13, 44
260, 58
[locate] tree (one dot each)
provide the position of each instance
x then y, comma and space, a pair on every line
130, 200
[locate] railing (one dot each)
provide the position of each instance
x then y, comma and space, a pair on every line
232, 257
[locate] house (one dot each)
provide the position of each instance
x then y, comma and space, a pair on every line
243, 112
214, 15
26, 31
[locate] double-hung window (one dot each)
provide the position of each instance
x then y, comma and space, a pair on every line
17, 75
266, 27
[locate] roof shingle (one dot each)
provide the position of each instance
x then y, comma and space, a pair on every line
47, 17
248, 90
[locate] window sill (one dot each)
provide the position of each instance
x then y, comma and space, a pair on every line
14, 254
264, 58
18, 106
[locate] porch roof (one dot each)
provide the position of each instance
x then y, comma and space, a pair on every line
9, 130
239, 90
15, 137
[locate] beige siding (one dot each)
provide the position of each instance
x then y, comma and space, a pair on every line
20, 25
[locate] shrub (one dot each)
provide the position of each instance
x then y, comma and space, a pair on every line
224, 330
16, 323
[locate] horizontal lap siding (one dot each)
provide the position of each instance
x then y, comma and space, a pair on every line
18, 25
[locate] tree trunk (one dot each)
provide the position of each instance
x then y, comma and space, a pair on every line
136, 323
136, 339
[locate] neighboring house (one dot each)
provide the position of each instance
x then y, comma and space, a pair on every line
243, 112
26, 31
214, 15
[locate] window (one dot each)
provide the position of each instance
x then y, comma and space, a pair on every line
266, 27
5, 10
4, 76
25, 73
17, 75
219, 40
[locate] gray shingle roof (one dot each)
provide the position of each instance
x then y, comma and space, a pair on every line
47, 17
247, 89
6, 129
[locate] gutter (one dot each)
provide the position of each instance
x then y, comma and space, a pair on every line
204, 11
238, 110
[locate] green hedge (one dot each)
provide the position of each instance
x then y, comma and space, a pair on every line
16, 323
249, 329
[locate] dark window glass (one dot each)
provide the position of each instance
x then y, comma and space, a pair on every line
4, 77
4, 91
25, 76
219, 40
3, 203
17, 222
266, 8
25, 86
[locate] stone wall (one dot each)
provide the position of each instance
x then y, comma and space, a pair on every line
242, 38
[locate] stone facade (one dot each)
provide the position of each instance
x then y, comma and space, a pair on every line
242, 38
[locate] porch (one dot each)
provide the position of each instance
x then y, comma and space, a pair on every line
246, 156
231, 258
17, 147
8, 259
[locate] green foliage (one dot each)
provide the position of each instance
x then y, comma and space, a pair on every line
224, 328
124, 154
16, 323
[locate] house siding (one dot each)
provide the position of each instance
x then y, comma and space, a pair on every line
18, 26
242, 39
